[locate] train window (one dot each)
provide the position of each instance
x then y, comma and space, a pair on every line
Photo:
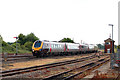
46, 45
58, 46
82, 46
55, 46
37, 44
51, 46
107, 43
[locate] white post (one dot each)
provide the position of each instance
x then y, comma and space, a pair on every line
118, 49
119, 23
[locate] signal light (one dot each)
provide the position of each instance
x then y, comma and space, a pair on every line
15, 37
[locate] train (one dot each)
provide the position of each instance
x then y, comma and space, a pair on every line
46, 48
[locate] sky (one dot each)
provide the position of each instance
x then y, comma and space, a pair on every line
53, 20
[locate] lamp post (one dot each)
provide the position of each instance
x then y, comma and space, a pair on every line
112, 55
112, 38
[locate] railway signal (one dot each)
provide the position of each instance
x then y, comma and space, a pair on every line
16, 45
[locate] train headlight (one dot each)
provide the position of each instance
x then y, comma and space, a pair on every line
33, 50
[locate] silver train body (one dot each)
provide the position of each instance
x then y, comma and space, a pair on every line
42, 48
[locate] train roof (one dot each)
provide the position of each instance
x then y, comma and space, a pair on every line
57, 42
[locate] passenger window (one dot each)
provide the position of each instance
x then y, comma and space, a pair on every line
60, 46
56, 45
46, 45
82, 46
51, 46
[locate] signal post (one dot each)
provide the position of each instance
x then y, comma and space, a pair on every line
16, 45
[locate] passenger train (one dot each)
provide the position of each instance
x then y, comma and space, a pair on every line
45, 48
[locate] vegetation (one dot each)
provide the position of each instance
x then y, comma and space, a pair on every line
24, 44
0, 44
100, 46
67, 40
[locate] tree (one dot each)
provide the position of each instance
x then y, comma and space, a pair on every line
1, 44
1, 38
31, 37
18, 45
67, 40
7, 48
28, 45
100, 46
24, 43
21, 39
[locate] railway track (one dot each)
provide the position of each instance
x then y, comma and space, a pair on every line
20, 57
35, 68
71, 74
11, 57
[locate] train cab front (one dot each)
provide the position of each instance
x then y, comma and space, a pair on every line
37, 48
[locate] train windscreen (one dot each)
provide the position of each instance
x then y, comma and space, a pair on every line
37, 44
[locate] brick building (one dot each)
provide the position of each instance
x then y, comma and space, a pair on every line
108, 45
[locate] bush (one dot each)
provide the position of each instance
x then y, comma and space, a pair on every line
8, 49
28, 45
24, 44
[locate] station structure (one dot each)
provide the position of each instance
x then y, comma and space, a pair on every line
108, 45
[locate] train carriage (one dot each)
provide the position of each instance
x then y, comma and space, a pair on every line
73, 48
44, 48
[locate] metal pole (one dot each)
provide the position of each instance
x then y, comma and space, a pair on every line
16, 45
112, 41
112, 61
118, 49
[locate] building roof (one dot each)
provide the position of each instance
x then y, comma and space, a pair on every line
108, 40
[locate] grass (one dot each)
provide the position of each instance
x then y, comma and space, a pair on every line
24, 51
19, 51
115, 50
102, 50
